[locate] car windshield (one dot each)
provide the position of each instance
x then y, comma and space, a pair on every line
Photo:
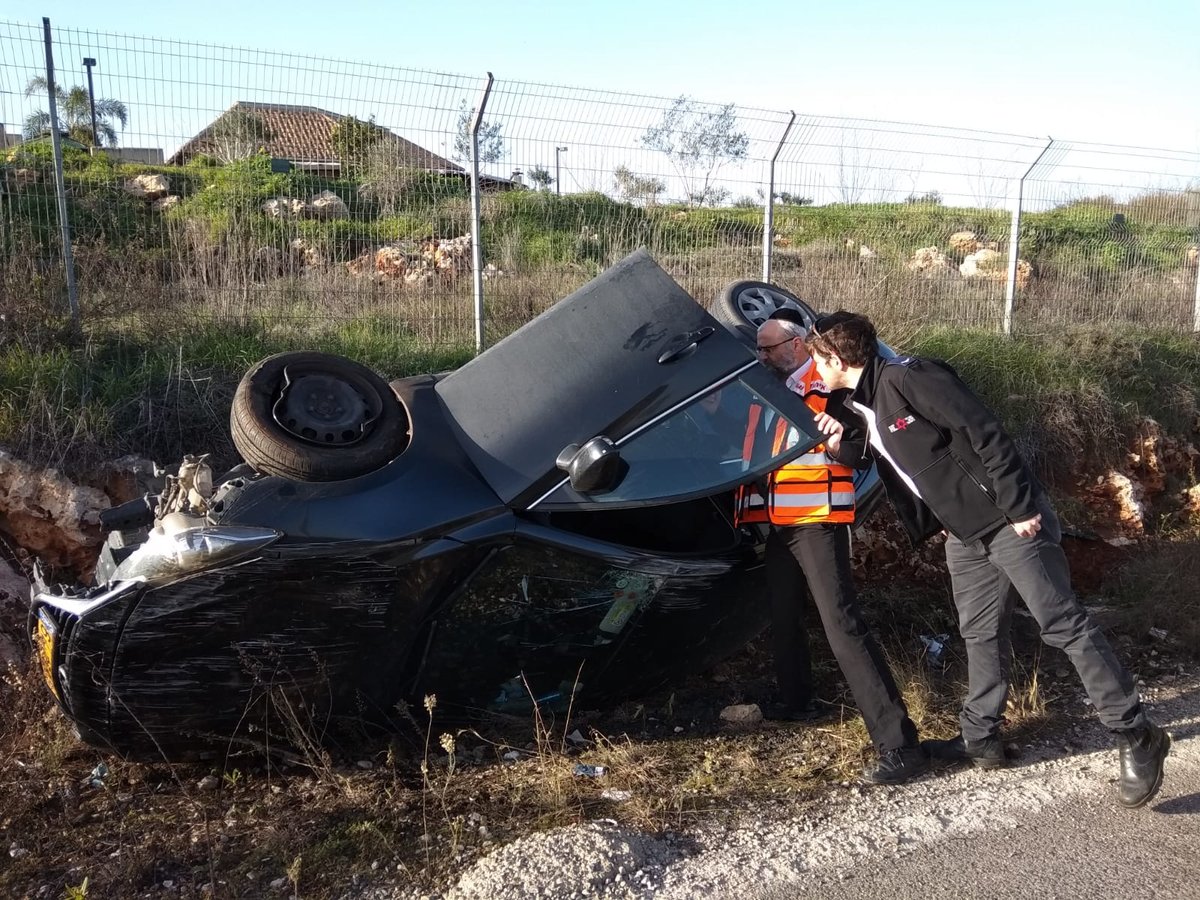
711, 442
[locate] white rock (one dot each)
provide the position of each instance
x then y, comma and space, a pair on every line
964, 242
929, 261
742, 714
283, 207
983, 263
148, 187
327, 205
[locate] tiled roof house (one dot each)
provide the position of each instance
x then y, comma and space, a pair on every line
303, 135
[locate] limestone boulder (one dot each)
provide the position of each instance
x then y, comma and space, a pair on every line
930, 262
1122, 499
327, 205
742, 714
306, 254
48, 515
148, 187
391, 262
283, 208
1024, 273
166, 204
448, 257
964, 243
983, 263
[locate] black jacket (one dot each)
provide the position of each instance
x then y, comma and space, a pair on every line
971, 477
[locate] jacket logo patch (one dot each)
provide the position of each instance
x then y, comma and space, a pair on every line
901, 423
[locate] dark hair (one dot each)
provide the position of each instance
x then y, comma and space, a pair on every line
849, 336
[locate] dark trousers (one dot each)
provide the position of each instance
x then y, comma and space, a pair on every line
985, 575
814, 560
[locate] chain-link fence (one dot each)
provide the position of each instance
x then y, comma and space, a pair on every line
300, 194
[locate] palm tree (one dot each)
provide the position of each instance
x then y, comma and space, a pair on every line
75, 115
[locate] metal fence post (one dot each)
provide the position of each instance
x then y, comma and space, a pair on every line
59, 183
476, 225
1014, 241
1195, 305
769, 203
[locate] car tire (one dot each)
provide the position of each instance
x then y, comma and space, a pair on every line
312, 416
744, 305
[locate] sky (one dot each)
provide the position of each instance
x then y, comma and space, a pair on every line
1099, 71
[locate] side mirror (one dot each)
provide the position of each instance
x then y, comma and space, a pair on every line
595, 467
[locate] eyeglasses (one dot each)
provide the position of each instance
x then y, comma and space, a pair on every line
767, 347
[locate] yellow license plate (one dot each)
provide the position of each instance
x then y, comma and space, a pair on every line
45, 645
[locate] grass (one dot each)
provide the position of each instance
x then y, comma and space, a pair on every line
162, 386
158, 395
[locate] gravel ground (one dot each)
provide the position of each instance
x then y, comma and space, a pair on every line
854, 828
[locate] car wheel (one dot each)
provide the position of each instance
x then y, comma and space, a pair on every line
315, 417
744, 305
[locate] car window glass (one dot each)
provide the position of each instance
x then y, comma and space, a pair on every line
536, 624
700, 446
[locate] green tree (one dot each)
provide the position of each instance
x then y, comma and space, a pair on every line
793, 199
929, 198
387, 178
636, 188
238, 134
491, 144
75, 115
698, 142
353, 139
540, 177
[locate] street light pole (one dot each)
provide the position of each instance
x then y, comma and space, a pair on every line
88, 62
557, 170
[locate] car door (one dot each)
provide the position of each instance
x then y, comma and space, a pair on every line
621, 370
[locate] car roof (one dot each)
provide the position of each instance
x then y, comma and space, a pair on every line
588, 366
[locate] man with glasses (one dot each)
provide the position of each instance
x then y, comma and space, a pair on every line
809, 506
948, 465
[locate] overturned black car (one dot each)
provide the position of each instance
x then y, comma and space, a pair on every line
552, 522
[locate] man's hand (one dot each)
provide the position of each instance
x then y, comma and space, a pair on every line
1027, 528
832, 429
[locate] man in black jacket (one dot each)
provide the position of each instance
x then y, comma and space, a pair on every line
948, 465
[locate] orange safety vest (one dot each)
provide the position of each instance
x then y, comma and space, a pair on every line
811, 488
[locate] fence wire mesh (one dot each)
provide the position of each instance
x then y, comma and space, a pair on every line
234, 185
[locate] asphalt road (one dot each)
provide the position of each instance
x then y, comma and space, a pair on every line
1084, 847
1078, 843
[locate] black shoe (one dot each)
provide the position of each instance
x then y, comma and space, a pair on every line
897, 766
809, 711
1142, 753
986, 753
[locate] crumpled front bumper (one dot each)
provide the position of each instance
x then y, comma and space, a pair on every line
75, 660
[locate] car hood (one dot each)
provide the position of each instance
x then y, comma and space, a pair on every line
626, 347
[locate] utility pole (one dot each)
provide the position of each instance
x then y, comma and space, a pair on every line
88, 62
558, 170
